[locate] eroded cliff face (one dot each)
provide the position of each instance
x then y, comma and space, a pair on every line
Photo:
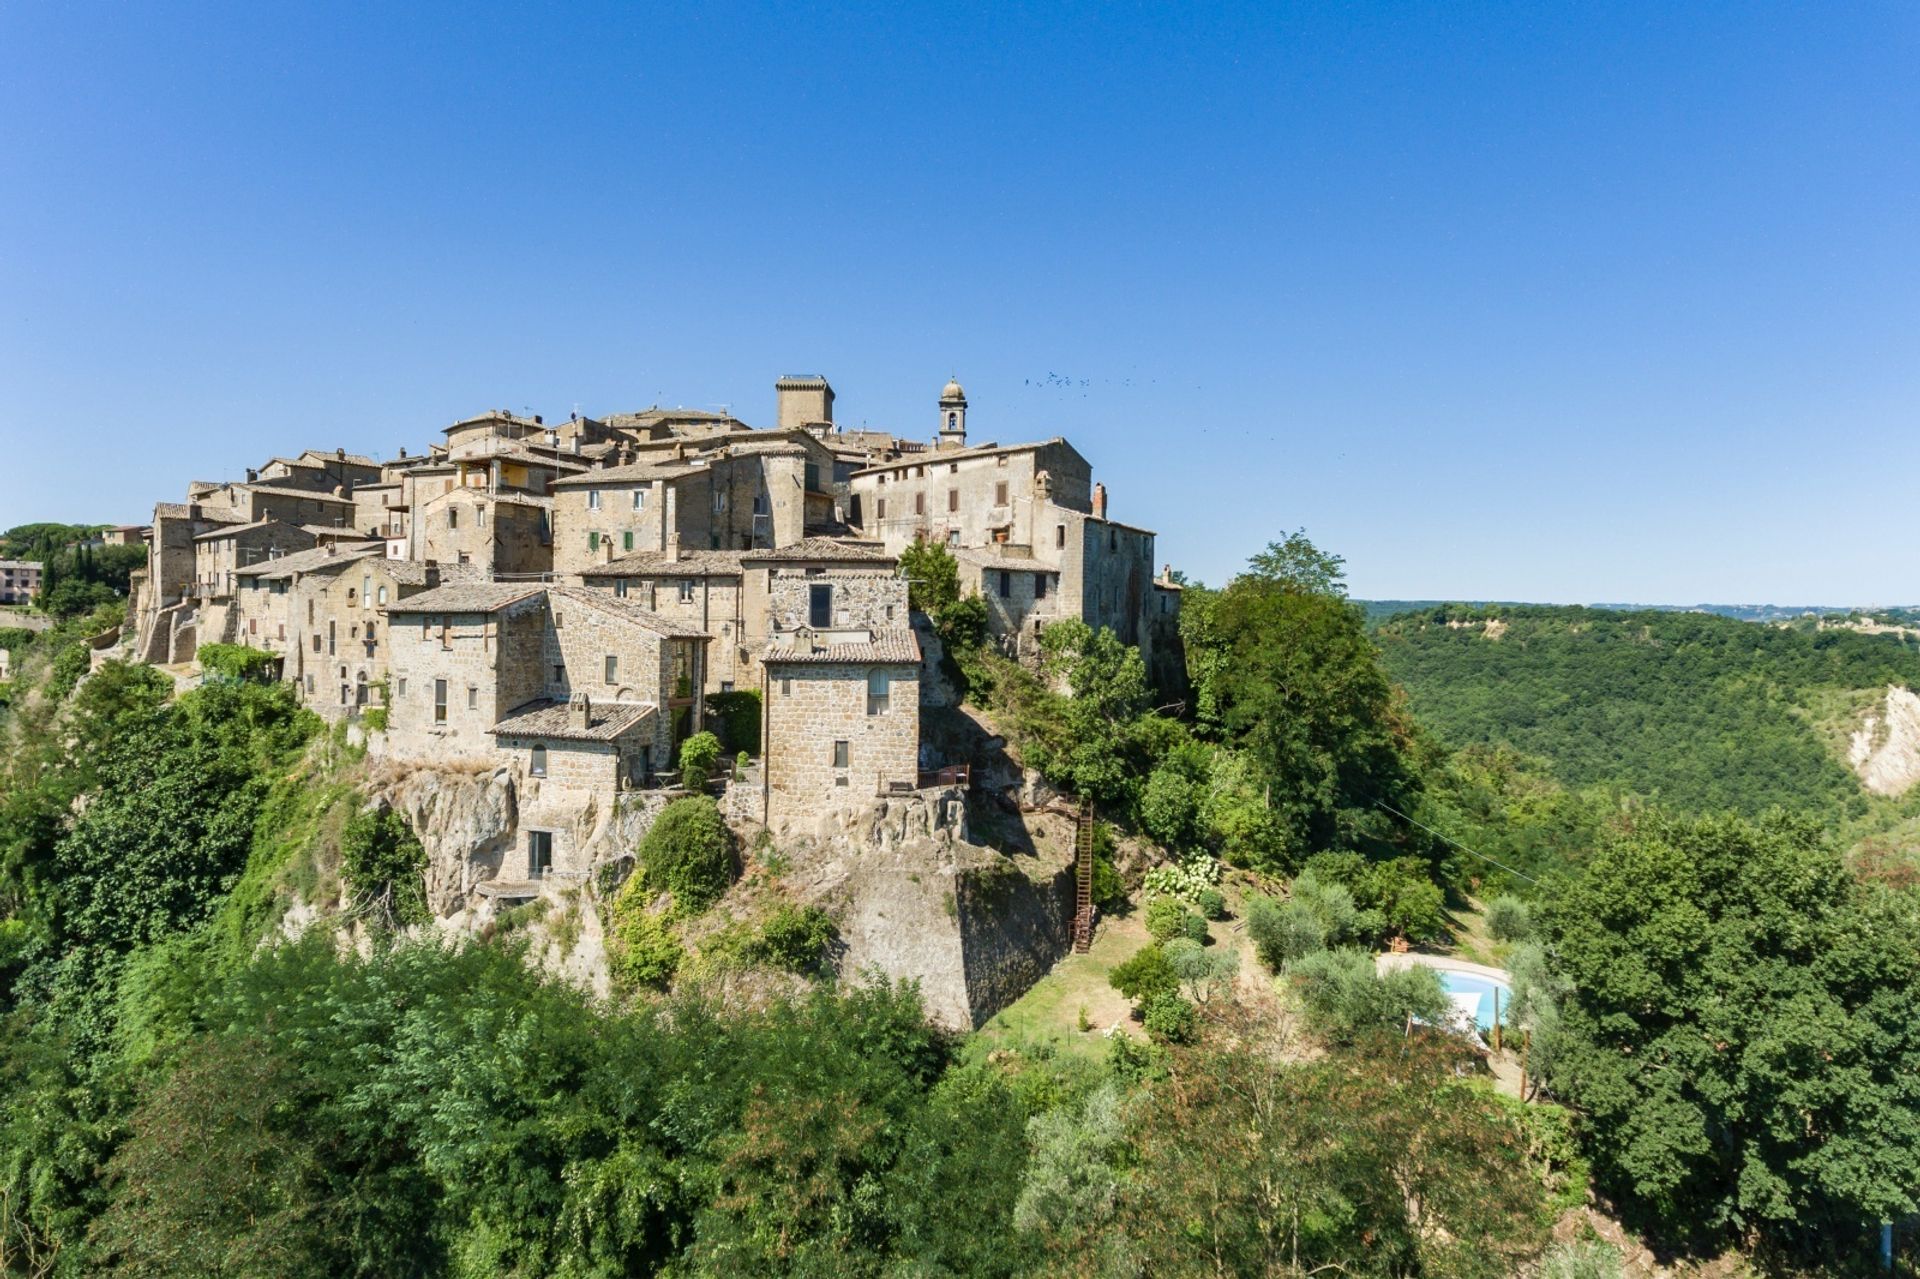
914, 897
1884, 751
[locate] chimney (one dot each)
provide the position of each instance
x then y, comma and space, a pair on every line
606, 550
403, 450
538, 420
330, 546
580, 712
340, 454
252, 475
1099, 501
673, 548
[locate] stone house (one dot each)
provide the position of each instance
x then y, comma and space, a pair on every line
127, 535
840, 720
1029, 528
583, 696
19, 581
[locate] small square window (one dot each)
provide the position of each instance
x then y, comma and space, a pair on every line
612, 664
559, 673
620, 588
626, 540
639, 499
839, 754
1000, 493
786, 686
593, 499
686, 591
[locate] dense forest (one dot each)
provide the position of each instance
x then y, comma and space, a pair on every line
1703, 712
1722, 1018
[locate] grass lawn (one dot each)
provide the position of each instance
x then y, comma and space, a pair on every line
1050, 1012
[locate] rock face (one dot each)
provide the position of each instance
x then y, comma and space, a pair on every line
1885, 749
916, 900
465, 821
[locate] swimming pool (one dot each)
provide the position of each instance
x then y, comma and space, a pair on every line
1474, 996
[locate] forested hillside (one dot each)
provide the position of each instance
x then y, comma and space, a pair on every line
1699, 711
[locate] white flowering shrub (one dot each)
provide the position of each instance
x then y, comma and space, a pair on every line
1185, 880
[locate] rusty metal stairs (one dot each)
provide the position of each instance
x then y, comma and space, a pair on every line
1083, 880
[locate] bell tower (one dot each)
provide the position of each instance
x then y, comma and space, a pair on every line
953, 416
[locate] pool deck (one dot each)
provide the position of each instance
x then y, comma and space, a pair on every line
1444, 963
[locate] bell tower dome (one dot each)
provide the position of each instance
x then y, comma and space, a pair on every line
953, 416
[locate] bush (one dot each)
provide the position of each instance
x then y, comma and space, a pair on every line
1109, 893
1585, 1259
1212, 903
384, 867
237, 661
795, 937
1509, 919
1145, 975
1170, 1018
1164, 915
644, 952
739, 716
1199, 967
1185, 880
1283, 932
740, 763
1347, 996
1193, 928
698, 755
688, 853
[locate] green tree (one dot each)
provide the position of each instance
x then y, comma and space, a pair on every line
384, 866
688, 852
698, 754
1741, 1025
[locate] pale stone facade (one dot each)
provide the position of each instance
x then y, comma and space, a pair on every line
839, 725
19, 581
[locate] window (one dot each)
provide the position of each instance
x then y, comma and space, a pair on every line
480, 517
473, 698
1113, 540
1000, 460
453, 518
1039, 586
537, 763
1059, 535
316, 641
786, 686
559, 673
309, 612
620, 588
383, 595
1006, 584
953, 420
366, 591
639, 499
1000, 493
953, 468
820, 606
953, 499
879, 692
593, 499
439, 701
626, 540
612, 663
539, 842
400, 687
686, 591
309, 685
593, 540
880, 508
719, 501
839, 754
446, 632
253, 626
919, 503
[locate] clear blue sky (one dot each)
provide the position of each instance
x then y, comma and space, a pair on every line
1569, 303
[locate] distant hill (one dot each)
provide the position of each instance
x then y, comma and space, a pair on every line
1379, 609
1701, 709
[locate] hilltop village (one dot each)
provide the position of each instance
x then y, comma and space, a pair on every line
570, 601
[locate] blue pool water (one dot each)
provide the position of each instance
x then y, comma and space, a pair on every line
1474, 994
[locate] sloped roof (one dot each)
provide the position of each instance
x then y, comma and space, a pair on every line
627, 611
414, 572
607, 721
316, 495
234, 530
892, 646
467, 597
316, 560
822, 548
959, 455
632, 473
656, 564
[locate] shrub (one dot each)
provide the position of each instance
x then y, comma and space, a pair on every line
375, 718
1199, 967
1283, 932
1109, 893
688, 853
1145, 975
698, 755
739, 716
1164, 915
1193, 928
644, 952
1170, 1018
740, 763
1212, 903
384, 867
236, 661
1185, 880
795, 937
1583, 1259
1346, 996
1509, 919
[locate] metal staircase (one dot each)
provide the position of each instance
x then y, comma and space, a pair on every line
1083, 880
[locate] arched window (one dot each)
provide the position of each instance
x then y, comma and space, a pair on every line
953, 420
537, 762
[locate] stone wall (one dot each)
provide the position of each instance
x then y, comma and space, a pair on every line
862, 598
812, 705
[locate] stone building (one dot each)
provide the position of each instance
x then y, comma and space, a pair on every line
19, 581
840, 719
583, 696
126, 535
1029, 528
